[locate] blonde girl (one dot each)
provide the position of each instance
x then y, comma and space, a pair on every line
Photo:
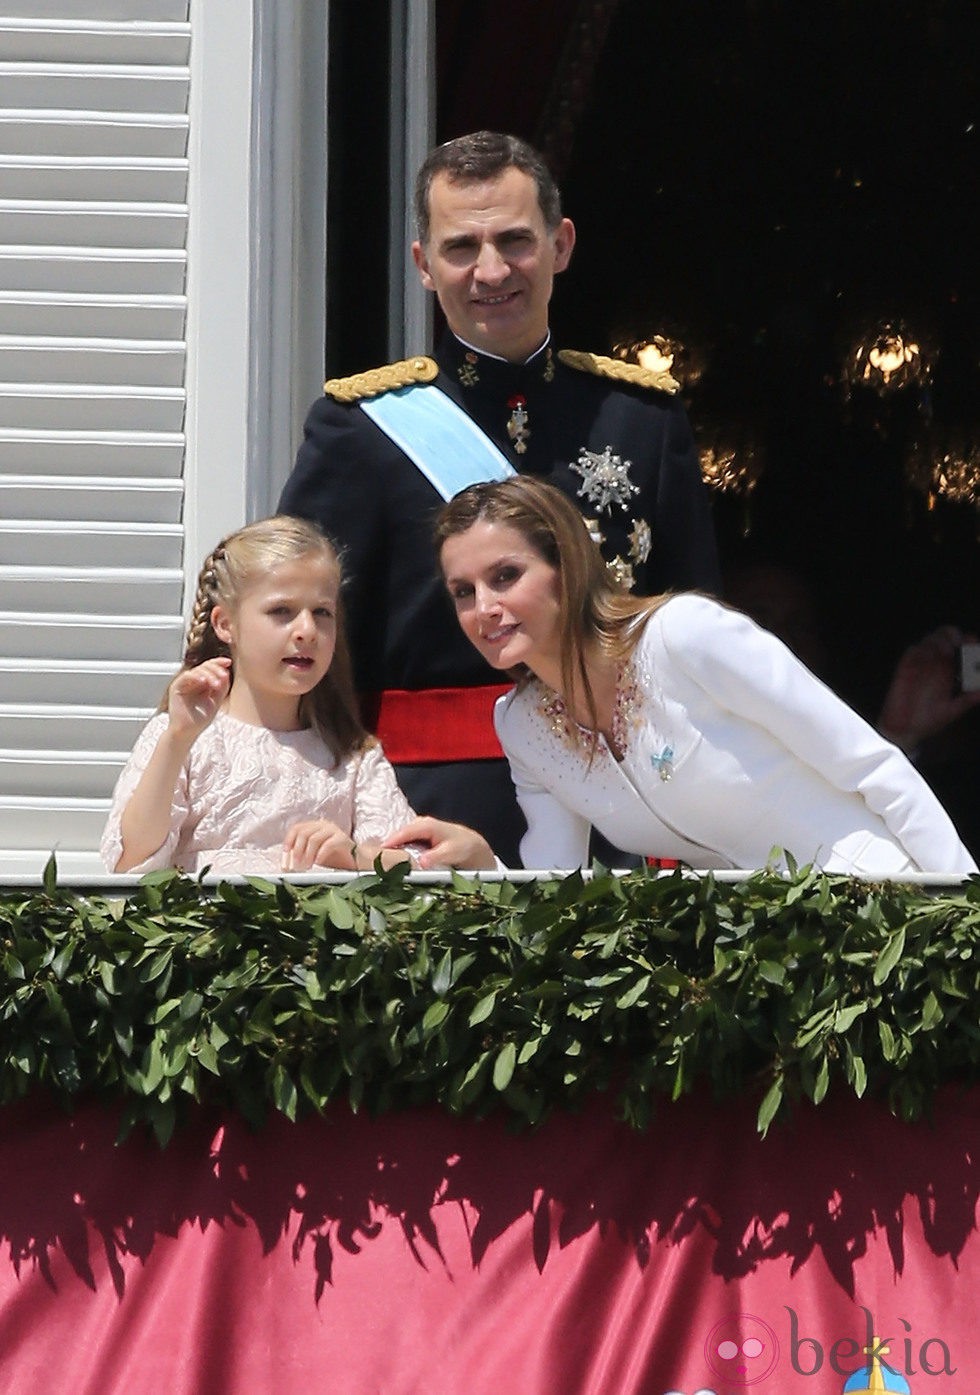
257, 760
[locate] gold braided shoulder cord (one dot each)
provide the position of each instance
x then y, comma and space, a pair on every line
385, 379
615, 368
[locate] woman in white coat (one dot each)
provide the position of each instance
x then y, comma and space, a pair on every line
674, 725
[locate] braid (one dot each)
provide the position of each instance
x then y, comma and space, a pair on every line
202, 642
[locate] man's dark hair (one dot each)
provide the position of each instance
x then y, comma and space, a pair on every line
480, 156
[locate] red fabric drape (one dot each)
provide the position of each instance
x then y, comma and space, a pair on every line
420, 1253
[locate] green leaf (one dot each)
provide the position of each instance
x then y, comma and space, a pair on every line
57, 1008
49, 877
633, 995
846, 1017
483, 1008
857, 1074
443, 976
769, 1107
435, 1016
503, 1066
61, 961
932, 1012
889, 956
772, 971
207, 1056
154, 966
190, 1006
284, 1093
13, 968
339, 910
152, 1067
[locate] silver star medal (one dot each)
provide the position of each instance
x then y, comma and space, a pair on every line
605, 478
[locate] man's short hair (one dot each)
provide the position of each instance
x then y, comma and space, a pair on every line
481, 156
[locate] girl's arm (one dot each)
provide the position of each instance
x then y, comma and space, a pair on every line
193, 700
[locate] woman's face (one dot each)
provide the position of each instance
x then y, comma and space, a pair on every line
507, 597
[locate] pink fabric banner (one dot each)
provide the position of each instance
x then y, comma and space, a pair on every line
419, 1253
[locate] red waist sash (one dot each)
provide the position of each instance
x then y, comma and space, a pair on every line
423, 725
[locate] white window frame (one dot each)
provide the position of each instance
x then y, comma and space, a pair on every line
257, 240
256, 244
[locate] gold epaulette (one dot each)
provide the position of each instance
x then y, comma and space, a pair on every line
615, 368
378, 380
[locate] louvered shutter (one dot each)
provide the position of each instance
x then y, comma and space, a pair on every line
93, 235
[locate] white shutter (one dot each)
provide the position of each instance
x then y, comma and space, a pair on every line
93, 237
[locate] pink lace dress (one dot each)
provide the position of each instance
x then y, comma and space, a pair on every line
243, 787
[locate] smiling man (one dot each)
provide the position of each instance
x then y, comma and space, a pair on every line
490, 256
383, 449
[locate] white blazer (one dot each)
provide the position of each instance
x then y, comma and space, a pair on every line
760, 755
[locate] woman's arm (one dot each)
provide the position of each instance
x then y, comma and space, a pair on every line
556, 837
747, 671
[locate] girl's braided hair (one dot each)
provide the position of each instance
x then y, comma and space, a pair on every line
237, 562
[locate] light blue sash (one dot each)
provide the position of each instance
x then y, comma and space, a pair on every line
438, 437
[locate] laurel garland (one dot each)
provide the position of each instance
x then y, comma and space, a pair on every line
488, 995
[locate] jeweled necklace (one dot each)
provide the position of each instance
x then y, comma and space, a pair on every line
625, 716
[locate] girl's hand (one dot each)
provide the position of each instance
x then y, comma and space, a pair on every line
317, 843
448, 845
196, 695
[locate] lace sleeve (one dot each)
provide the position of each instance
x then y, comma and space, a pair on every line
379, 804
110, 847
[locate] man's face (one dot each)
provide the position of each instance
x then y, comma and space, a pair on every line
491, 261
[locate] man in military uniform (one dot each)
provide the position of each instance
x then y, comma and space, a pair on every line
491, 237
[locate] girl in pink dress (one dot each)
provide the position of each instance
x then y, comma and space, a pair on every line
256, 761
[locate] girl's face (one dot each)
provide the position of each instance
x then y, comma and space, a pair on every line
282, 635
507, 597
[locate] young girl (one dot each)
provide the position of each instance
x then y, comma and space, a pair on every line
257, 760
674, 724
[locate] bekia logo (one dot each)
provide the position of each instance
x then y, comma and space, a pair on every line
741, 1349
745, 1349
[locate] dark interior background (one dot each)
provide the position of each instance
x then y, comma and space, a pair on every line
769, 181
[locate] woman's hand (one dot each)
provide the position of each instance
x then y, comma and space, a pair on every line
195, 696
448, 845
317, 843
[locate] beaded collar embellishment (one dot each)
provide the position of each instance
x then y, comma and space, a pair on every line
626, 719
